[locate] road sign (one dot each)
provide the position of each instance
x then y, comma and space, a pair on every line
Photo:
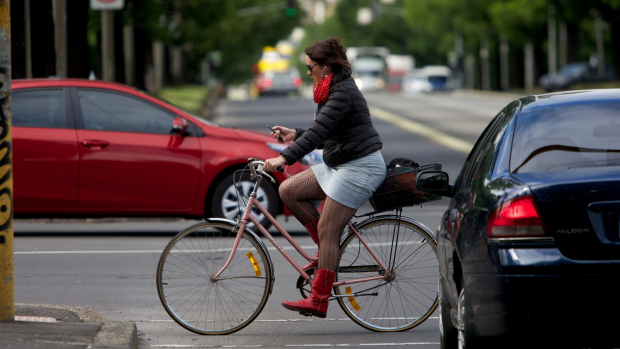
107, 4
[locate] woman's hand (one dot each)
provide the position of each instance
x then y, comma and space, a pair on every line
271, 165
286, 133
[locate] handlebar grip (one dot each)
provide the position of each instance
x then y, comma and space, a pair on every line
280, 169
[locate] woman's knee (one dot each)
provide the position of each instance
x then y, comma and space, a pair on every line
284, 189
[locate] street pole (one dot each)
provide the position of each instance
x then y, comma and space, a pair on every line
7, 288
107, 45
60, 32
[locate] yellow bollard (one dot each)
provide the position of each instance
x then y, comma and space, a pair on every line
7, 289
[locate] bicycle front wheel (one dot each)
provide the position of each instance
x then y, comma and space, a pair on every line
203, 305
408, 296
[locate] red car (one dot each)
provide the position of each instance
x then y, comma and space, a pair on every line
92, 148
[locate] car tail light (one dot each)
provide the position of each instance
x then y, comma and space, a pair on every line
267, 82
518, 217
297, 82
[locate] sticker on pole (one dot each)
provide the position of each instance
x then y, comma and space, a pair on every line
107, 4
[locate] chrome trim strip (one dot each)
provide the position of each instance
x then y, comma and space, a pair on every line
528, 239
536, 257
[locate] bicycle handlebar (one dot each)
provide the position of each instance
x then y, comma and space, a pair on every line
251, 160
256, 167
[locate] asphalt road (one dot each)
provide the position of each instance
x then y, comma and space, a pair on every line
110, 265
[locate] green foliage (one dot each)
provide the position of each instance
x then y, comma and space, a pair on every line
202, 26
186, 97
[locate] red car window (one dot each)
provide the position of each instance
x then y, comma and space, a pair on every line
39, 108
107, 111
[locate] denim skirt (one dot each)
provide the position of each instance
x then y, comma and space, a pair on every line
353, 182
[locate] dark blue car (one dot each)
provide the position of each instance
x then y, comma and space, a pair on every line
529, 248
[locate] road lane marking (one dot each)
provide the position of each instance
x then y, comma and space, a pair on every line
422, 130
459, 105
292, 345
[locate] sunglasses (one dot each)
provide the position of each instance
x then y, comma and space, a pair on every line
310, 67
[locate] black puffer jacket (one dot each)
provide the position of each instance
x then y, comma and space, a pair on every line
342, 127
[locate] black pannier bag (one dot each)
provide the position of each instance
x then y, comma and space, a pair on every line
398, 188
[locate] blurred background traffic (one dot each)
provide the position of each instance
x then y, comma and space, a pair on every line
255, 47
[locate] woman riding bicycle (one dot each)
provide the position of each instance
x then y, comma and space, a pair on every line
353, 169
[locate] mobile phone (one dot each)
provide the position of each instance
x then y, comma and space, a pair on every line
274, 131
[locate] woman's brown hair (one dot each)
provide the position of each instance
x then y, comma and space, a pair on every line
330, 52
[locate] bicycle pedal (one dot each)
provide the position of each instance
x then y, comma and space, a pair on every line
305, 313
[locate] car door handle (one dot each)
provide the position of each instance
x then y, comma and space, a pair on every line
95, 144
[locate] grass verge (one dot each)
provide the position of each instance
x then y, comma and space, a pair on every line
189, 97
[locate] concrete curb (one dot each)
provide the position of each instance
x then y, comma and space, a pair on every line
113, 334
121, 335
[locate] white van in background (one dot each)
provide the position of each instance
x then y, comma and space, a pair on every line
431, 78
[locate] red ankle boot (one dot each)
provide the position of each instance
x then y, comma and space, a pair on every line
317, 303
312, 228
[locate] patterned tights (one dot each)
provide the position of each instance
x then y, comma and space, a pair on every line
297, 193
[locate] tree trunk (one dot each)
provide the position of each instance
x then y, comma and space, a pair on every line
18, 40
43, 51
119, 58
78, 52
615, 46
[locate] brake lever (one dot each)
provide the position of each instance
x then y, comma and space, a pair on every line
268, 175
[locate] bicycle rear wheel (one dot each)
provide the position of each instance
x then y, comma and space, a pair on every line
409, 296
200, 304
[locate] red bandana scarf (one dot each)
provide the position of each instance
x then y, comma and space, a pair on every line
321, 90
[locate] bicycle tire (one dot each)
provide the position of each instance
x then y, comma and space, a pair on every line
404, 302
209, 307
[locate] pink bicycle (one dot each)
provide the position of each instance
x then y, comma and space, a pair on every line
215, 277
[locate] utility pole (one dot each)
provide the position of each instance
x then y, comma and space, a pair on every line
7, 287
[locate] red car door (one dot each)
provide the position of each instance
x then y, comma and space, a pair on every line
45, 151
129, 159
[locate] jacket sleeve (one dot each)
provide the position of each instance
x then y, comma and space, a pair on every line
337, 106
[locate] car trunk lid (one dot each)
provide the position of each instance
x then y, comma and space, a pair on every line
580, 209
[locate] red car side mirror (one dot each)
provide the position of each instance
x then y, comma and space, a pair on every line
179, 126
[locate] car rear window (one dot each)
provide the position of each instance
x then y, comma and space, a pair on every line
567, 137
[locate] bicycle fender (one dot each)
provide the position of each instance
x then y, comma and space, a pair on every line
253, 234
391, 216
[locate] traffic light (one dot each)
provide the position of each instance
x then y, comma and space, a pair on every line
290, 8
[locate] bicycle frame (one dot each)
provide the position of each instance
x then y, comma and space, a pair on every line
247, 216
